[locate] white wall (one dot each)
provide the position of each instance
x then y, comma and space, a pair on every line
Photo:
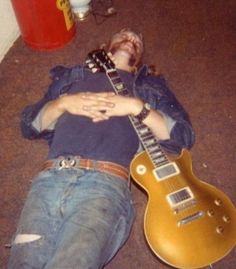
9, 30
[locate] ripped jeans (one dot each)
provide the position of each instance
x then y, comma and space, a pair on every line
72, 219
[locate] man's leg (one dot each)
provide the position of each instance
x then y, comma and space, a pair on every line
34, 241
98, 215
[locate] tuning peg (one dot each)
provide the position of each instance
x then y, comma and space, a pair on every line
94, 69
91, 65
112, 58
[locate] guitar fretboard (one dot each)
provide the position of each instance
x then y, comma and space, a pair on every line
148, 140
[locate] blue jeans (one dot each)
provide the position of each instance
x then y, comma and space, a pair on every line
72, 218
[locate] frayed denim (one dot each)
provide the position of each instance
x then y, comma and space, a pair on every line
72, 219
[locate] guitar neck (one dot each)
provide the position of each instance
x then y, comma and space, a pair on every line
146, 137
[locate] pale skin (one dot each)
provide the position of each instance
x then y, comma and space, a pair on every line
104, 105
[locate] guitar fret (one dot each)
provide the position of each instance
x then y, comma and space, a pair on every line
125, 92
116, 80
147, 136
160, 161
135, 120
149, 141
143, 131
154, 148
155, 151
112, 73
156, 154
119, 87
139, 124
140, 127
144, 128
117, 83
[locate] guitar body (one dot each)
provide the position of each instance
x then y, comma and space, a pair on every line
188, 223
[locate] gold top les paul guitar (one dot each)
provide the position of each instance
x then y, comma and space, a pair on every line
188, 223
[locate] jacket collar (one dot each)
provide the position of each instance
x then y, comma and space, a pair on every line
142, 72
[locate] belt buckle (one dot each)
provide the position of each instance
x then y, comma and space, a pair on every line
67, 163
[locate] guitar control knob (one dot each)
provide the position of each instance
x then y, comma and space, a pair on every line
141, 169
218, 202
219, 229
226, 219
210, 212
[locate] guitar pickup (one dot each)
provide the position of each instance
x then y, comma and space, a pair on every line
181, 199
165, 171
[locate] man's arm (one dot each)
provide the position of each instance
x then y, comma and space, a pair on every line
155, 91
133, 106
158, 125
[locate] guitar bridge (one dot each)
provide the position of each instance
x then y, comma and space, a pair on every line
191, 218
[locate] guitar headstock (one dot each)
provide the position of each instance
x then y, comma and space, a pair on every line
98, 60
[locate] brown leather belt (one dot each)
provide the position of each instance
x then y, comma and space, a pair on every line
79, 163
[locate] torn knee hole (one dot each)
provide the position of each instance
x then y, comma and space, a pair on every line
26, 238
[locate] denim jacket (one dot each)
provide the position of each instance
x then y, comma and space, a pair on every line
151, 89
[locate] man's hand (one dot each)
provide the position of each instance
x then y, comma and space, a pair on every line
92, 105
122, 106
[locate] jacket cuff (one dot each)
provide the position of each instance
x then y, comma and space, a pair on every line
37, 122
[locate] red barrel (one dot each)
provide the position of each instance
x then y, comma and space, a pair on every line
44, 24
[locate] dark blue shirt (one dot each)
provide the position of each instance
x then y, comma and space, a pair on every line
111, 140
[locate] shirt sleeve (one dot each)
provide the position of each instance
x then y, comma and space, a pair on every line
62, 79
30, 118
37, 122
170, 122
155, 91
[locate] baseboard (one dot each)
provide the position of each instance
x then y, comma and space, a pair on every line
9, 30
8, 42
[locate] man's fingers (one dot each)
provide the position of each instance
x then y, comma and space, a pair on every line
104, 106
99, 116
96, 114
97, 96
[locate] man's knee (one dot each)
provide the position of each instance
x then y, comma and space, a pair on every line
26, 238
